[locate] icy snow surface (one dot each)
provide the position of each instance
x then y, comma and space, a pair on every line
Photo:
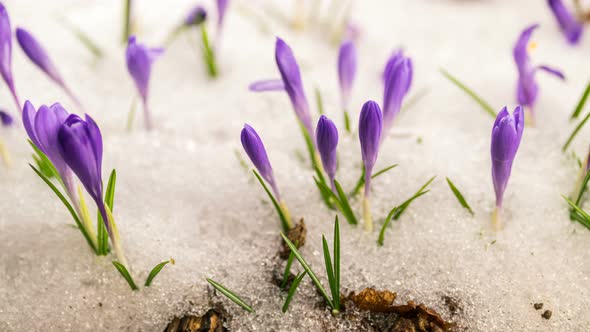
183, 194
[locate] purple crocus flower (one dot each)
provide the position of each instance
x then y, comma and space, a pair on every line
221, 10
291, 77
370, 126
39, 57
139, 64
42, 127
257, 153
6, 119
80, 145
346, 71
397, 76
327, 141
6, 53
267, 85
527, 87
570, 26
506, 136
196, 16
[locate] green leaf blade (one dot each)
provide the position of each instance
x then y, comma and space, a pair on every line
329, 268
284, 222
345, 205
575, 132
125, 274
230, 295
581, 102
292, 290
336, 296
308, 269
154, 272
484, 105
459, 196
208, 53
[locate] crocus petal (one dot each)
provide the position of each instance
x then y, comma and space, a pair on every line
327, 141
38, 55
555, 72
96, 138
370, 126
221, 10
48, 121
398, 75
139, 64
520, 51
346, 70
6, 119
506, 136
571, 28
6, 52
28, 116
267, 85
77, 144
196, 16
291, 76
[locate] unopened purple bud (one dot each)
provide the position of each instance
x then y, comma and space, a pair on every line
327, 141
38, 55
346, 70
196, 16
221, 10
6, 119
6, 53
292, 79
527, 87
506, 136
370, 126
257, 153
397, 76
570, 26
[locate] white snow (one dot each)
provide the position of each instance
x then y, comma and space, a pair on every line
182, 193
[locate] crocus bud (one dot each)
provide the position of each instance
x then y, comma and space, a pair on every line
397, 77
221, 10
6, 53
80, 145
37, 54
346, 71
506, 135
42, 127
6, 119
196, 16
257, 153
527, 87
327, 141
370, 126
570, 26
139, 64
292, 80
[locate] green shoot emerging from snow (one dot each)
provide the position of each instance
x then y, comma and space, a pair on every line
397, 211
581, 103
578, 214
332, 269
230, 295
484, 105
459, 196
283, 216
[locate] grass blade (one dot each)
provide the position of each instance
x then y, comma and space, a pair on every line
581, 103
230, 295
44, 160
307, 268
459, 196
327, 192
154, 272
292, 290
126, 275
583, 188
484, 105
407, 203
68, 206
82, 37
584, 218
361, 180
347, 122
288, 268
208, 53
43, 167
336, 296
329, 268
103, 239
284, 222
344, 205
575, 132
